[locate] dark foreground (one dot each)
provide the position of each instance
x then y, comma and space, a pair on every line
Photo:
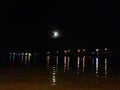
37, 79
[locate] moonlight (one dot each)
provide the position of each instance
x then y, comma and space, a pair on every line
55, 34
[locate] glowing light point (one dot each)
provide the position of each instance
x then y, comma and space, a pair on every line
55, 34
48, 52
68, 50
78, 50
83, 50
97, 50
105, 49
65, 51
29, 54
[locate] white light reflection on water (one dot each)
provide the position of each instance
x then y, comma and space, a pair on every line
56, 78
53, 75
83, 70
105, 67
23, 57
56, 60
66, 63
78, 65
26, 56
12, 58
29, 56
97, 68
96, 65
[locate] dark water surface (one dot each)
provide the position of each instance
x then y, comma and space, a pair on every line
26, 71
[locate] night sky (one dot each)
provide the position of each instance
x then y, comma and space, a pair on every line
83, 23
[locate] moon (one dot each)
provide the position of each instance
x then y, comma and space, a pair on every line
55, 34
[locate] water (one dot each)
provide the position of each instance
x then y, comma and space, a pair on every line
33, 71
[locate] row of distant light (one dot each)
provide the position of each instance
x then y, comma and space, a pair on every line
27, 54
97, 50
67, 51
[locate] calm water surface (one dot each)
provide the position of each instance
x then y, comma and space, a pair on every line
26, 71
